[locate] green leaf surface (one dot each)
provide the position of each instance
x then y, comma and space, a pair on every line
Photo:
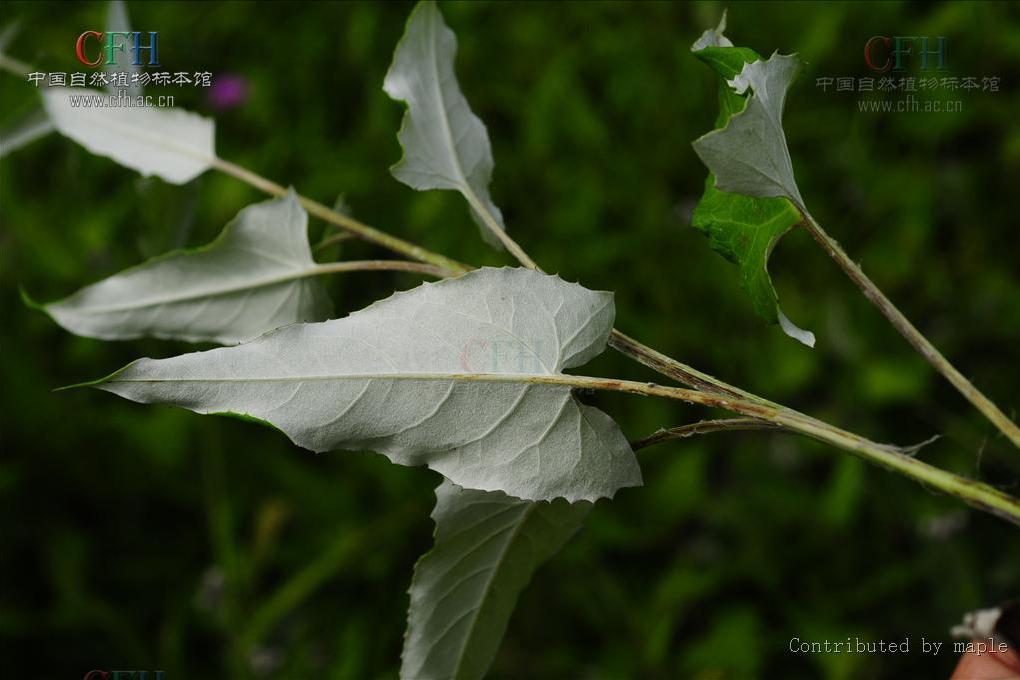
253, 278
745, 225
744, 230
445, 144
443, 375
487, 546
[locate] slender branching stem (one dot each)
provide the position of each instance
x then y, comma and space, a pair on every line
702, 427
499, 232
682, 373
378, 265
910, 332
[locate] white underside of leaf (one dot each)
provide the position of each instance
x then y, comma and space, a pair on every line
172, 144
438, 376
445, 144
749, 155
795, 332
487, 546
249, 281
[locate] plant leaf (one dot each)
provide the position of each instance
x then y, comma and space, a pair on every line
744, 229
117, 22
445, 144
749, 155
251, 279
441, 375
172, 144
487, 546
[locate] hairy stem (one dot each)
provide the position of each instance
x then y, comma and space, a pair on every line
917, 340
703, 427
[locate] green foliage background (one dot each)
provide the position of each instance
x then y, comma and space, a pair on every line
148, 537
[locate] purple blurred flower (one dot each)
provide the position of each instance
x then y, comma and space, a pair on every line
228, 90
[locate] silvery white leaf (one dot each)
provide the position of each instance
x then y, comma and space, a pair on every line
173, 144
749, 156
34, 126
487, 546
443, 375
445, 144
713, 37
251, 279
117, 22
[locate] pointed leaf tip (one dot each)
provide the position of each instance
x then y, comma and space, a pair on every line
252, 278
445, 144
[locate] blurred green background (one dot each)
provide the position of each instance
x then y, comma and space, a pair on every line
152, 538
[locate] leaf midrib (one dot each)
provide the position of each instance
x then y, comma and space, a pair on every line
543, 378
186, 297
488, 585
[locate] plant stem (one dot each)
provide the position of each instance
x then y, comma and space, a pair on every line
703, 427
977, 494
490, 221
682, 373
378, 265
371, 234
910, 332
